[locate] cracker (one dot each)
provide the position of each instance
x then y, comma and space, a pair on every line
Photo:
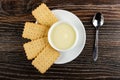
34, 31
43, 15
45, 59
33, 48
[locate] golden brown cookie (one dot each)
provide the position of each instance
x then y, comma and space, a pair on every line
44, 16
33, 48
45, 59
34, 31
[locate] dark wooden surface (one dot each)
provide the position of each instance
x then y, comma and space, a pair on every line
13, 62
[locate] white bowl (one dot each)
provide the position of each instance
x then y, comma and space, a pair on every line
50, 31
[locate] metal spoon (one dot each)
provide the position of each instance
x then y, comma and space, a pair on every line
97, 21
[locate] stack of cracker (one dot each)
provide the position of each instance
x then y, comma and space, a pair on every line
38, 49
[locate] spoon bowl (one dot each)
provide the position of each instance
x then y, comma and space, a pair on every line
98, 20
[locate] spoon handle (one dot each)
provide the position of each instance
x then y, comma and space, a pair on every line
95, 51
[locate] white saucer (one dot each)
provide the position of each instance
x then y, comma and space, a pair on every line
75, 52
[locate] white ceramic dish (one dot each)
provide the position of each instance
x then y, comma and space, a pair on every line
50, 41
69, 17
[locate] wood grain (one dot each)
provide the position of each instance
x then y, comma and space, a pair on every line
15, 66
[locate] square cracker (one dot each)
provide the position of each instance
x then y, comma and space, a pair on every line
34, 31
45, 59
43, 15
33, 48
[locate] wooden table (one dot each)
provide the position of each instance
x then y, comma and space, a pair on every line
13, 62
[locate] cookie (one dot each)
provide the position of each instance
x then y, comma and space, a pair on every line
44, 16
34, 31
33, 48
45, 59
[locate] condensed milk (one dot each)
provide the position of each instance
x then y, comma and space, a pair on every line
62, 36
